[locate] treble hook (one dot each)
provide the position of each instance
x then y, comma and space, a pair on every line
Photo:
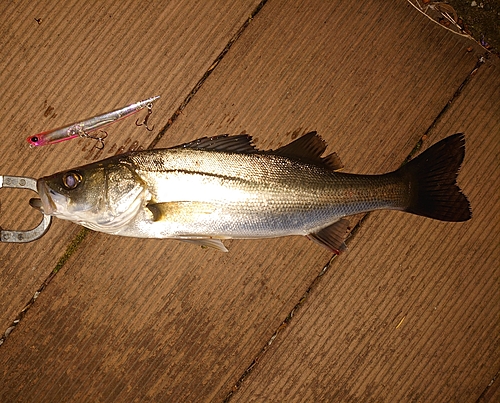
145, 121
99, 139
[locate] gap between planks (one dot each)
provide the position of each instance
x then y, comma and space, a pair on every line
78, 239
351, 235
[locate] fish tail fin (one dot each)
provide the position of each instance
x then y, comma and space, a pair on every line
432, 176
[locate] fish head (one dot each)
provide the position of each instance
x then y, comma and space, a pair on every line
101, 196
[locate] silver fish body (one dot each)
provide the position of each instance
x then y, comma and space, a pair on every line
222, 187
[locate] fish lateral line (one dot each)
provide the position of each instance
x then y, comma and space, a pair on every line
256, 194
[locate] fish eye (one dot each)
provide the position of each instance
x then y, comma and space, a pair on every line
71, 180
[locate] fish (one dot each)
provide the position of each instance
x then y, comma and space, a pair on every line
223, 187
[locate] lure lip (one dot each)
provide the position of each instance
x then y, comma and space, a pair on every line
82, 128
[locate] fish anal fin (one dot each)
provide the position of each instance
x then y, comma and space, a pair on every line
241, 143
207, 243
332, 237
309, 149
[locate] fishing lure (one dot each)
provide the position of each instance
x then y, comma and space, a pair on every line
85, 127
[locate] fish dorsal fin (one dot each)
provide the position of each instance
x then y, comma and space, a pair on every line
309, 148
332, 237
241, 143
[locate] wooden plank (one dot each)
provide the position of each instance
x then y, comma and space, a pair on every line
411, 312
79, 60
140, 320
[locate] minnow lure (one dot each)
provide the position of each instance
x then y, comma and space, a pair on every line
84, 127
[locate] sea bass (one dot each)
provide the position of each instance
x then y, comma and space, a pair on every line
222, 187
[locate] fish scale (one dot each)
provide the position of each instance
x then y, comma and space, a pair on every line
223, 187
287, 189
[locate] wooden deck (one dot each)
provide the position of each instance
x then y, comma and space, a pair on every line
409, 313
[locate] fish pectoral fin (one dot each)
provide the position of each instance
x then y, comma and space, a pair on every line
167, 210
332, 237
207, 243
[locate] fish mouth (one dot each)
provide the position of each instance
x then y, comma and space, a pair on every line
44, 203
36, 203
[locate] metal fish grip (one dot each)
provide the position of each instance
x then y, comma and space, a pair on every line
21, 182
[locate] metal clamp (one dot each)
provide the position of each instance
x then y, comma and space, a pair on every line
20, 182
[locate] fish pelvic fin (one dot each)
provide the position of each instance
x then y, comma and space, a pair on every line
432, 176
207, 243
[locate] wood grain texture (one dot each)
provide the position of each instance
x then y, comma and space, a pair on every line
81, 60
406, 313
411, 312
